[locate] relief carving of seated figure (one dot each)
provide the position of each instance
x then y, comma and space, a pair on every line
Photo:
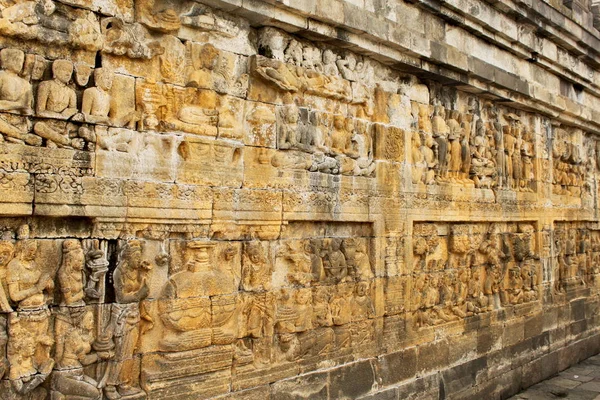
185, 307
96, 104
15, 96
200, 109
58, 101
205, 62
74, 333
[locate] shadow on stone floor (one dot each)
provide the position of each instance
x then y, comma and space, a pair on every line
580, 382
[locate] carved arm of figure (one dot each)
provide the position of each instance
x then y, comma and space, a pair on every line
18, 295
4, 304
23, 387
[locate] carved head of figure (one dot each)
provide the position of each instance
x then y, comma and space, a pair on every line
291, 116
349, 124
27, 249
12, 60
349, 246
254, 251
6, 252
103, 78
293, 53
351, 61
62, 70
48, 7
303, 296
207, 58
73, 256
420, 247
362, 288
439, 111
132, 252
87, 322
329, 57
339, 122
229, 253
336, 244
424, 111
272, 43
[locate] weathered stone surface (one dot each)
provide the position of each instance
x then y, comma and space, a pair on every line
284, 200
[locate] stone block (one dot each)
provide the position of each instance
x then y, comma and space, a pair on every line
309, 386
352, 381
431, 356
396, 367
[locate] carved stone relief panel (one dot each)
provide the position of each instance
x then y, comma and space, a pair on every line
462, 269
576, 255
573, 166
473, 144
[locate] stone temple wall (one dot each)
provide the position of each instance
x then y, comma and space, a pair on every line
286, 199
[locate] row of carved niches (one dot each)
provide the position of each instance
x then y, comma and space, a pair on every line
63, 114
463, 269
576, 261
82, 317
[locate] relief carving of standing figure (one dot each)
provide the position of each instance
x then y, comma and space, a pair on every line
29, 337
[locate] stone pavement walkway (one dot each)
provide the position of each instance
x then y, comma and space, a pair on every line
580, 382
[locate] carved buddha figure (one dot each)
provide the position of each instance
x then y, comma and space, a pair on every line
341, 136
26, 282
204, 61
96, 103
288, 128
57, 100
15, 92
428, 149
454, 136
417, 158
321, 309
304, 310
440, 133
341, 305
15, 96
363, 264
336, 268
96, 100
